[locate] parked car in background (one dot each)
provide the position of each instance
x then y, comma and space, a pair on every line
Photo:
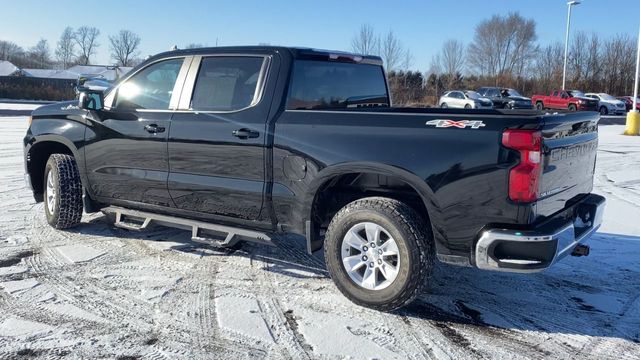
572, 100
505, 98
628, 102
608, 104
464, 100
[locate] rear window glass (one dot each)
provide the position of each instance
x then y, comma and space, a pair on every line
333, 85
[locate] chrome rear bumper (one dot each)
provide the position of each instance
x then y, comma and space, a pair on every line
537, 249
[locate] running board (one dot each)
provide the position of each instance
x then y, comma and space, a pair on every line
202, 232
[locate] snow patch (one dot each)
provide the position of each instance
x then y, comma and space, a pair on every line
15, 327
18, 286
154, 295
347, 335
17, 240
78, 253
628, 175
243, 316
166, 245
73, 311
12, 270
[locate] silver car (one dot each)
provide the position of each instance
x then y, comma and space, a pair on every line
464, 100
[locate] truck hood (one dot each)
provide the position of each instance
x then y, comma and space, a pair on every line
59, 108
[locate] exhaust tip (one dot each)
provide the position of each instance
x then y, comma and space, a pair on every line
581, 250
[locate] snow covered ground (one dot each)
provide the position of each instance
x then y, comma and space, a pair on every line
99, 291
19, 106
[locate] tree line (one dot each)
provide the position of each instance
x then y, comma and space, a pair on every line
74, 47
504, 52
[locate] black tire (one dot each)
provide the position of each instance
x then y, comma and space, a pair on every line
415, 248
572, 107
67, 207
467, 106
444, 105
539, 106
604, 110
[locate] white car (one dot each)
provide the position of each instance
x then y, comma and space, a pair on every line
464, 100
607, 104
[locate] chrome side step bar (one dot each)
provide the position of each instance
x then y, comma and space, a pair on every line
202, 232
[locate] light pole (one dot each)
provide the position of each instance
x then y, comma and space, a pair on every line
633, 116
566, 40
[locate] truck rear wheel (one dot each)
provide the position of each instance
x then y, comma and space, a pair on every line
62, 192
539, 105
379, 252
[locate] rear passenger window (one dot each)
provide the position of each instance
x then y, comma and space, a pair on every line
227, 83
334, 85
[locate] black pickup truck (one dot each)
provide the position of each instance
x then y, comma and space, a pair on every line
245, 143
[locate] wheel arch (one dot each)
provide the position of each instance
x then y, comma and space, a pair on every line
38, 154
315, 201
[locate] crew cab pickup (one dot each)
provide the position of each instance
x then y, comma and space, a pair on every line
572, 100
249, 143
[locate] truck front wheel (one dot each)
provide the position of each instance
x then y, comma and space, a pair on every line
572, 107
379, 252
62, 192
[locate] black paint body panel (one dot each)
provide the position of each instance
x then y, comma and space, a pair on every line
198, 169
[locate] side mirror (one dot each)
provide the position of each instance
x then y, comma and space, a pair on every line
91, 100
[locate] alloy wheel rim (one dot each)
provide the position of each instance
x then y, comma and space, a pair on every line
51, 193
370, 256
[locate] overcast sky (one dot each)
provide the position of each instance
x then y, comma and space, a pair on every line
422, 26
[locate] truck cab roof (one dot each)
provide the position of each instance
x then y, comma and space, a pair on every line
295, 52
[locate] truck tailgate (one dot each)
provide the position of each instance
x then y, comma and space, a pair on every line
569, 147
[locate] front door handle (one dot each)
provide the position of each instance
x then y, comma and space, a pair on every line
154, 128
245, 133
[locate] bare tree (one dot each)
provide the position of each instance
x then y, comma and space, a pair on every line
124, 47
407, 60
391, 51
503, 45
10, 51
366, 41
453, 56
65, 50
618, 64
548, 67
40, 54
86, 37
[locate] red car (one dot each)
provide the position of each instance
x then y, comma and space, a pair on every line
628, 102
572, 100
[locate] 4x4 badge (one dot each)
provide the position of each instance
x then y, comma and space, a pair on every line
444, 123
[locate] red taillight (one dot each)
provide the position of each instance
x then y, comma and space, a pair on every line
524, 177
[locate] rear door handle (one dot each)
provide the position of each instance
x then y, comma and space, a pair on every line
154, 128
245, 133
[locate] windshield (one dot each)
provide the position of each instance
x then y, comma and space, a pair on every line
576, 93
472, 95
510, 92
606, 97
